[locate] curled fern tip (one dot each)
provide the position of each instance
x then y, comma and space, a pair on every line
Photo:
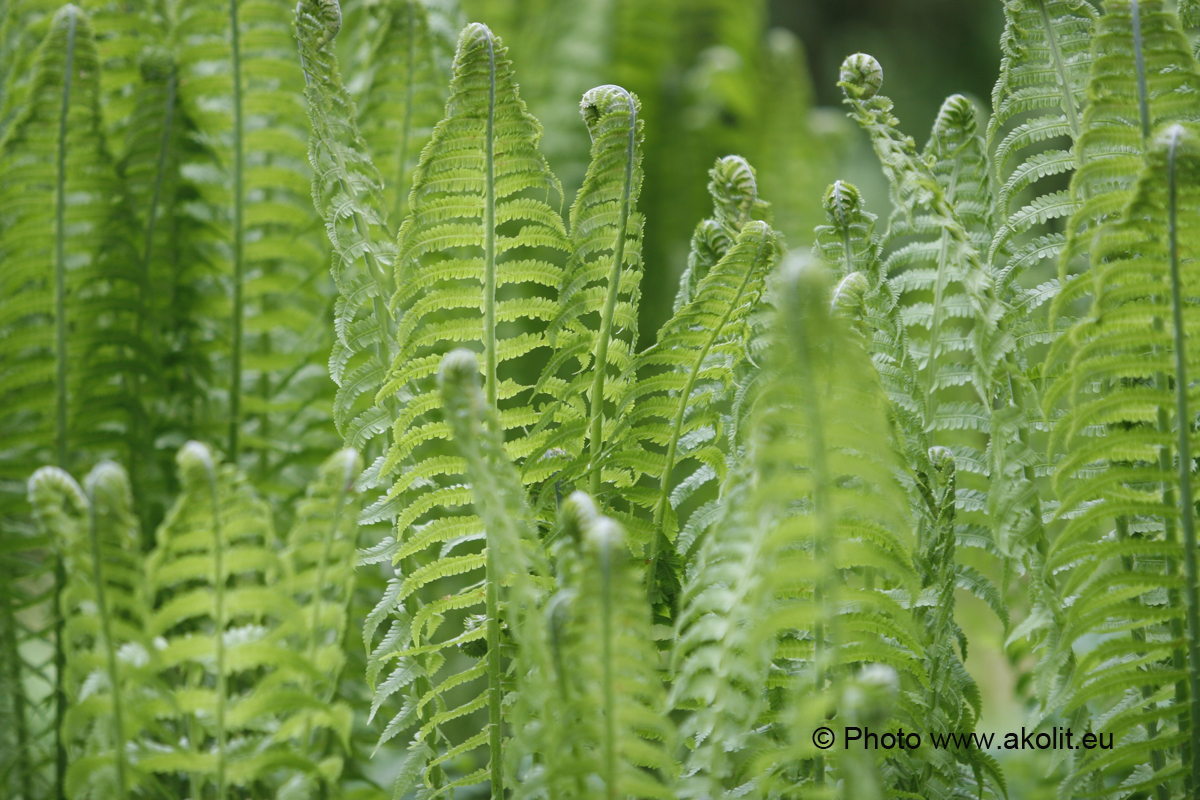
861, 77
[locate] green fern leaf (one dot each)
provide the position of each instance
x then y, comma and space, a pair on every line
70, 298
1127, 419
673, 413
223, 634
1143, 76
594, 331
407, 70
468, 271
617, 737
104, 604
242, 83
348, 191
1038, 97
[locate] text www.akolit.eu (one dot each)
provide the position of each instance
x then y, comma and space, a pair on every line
1055, 739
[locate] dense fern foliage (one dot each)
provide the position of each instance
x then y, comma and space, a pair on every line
557, 528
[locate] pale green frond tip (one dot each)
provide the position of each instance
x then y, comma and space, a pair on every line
108, 486
578, 515
956, 123
734, 186
459, 370
850, 295
328, 13
194, 457
842, 201
50, 485
66, 15
598, 103
1172, 137
942, 459
861, 77
474, 36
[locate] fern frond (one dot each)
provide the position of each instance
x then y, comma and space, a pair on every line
618, 739
104, 606
1128, 385
348, 192
514, 562
224, 638
242, 83
594, 330
1037, 99
321, 559
407, 72
733, 187
70, 296
28, 742
1143, 75
764, 588
683, 379
469, 270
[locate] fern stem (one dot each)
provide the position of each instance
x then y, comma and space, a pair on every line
110, 652
410, 91
1184, 457
606, 655
664, 488
495, 691
600, 365
1060, 66
219, 619
235, 377
61, 430
1139, 58
489, 239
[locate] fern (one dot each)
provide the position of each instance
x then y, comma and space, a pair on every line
105, 608
407, 72
514, 561
1037, 99
467, 271
1135, 348
683, 376
619, 738
602, 278
348, 191
241, 84
71, 302
225, 639
762, 587
1143, 74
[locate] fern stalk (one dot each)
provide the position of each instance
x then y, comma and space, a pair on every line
495, 691
600, 364
1139, 59
218, 607
489, 265
1187, 505
110, 651
235, 382
606, 656
1063, 77
60, 433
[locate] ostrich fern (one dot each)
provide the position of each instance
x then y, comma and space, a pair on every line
619, 565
